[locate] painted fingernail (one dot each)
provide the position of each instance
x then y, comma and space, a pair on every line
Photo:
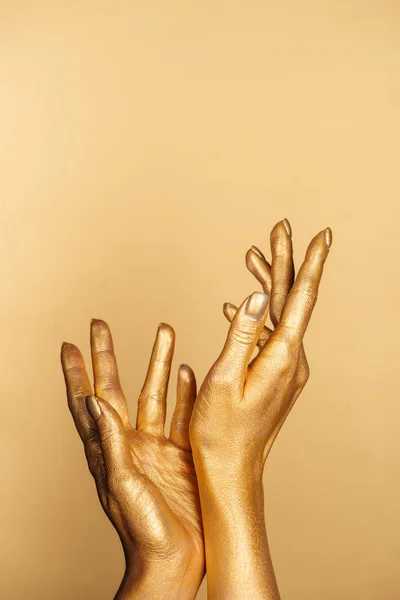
328, 236
258, 252
93, 407
256, 305
229, 306
287, 227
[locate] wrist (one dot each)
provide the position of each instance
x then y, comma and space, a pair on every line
232, 471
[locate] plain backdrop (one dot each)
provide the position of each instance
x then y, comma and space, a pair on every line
144, 146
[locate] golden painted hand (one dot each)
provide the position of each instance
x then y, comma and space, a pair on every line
277, 281
146, 483
239, 410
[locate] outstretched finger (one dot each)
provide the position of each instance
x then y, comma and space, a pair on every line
282, 268
185, 398
105, 370
303, 295
153, 397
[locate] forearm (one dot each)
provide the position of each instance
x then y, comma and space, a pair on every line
164, 582
237, 554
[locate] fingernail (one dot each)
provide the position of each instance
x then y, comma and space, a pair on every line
256, 305
229, 311
328, 236
63, 345
229, 306
93, 407
287, 227
258, 252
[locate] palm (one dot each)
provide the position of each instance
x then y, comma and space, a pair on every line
146, 482
169, 471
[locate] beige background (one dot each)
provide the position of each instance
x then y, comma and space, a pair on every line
144, 147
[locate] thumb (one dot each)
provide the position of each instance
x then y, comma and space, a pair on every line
114, 444
243, 335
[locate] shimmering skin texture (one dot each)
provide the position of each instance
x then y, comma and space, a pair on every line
240, 408
145, 481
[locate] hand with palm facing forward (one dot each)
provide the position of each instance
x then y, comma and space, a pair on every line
145, 481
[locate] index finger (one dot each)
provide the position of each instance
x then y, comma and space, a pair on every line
303, 295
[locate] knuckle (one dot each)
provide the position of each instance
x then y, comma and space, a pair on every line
287, 357
287, 335
307, 293
108, 385
154, 397
218, 379
180, 423
243, 335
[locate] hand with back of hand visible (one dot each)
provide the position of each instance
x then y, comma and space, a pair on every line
241, 407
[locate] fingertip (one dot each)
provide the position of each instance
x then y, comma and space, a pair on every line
229, 310
282, 228
229, 306
165, 341
277, 229
100, 331
318, 247
66, 347
186, 377
185, 371
166, 331
95, 322
70, 354
253, 258
260, 268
